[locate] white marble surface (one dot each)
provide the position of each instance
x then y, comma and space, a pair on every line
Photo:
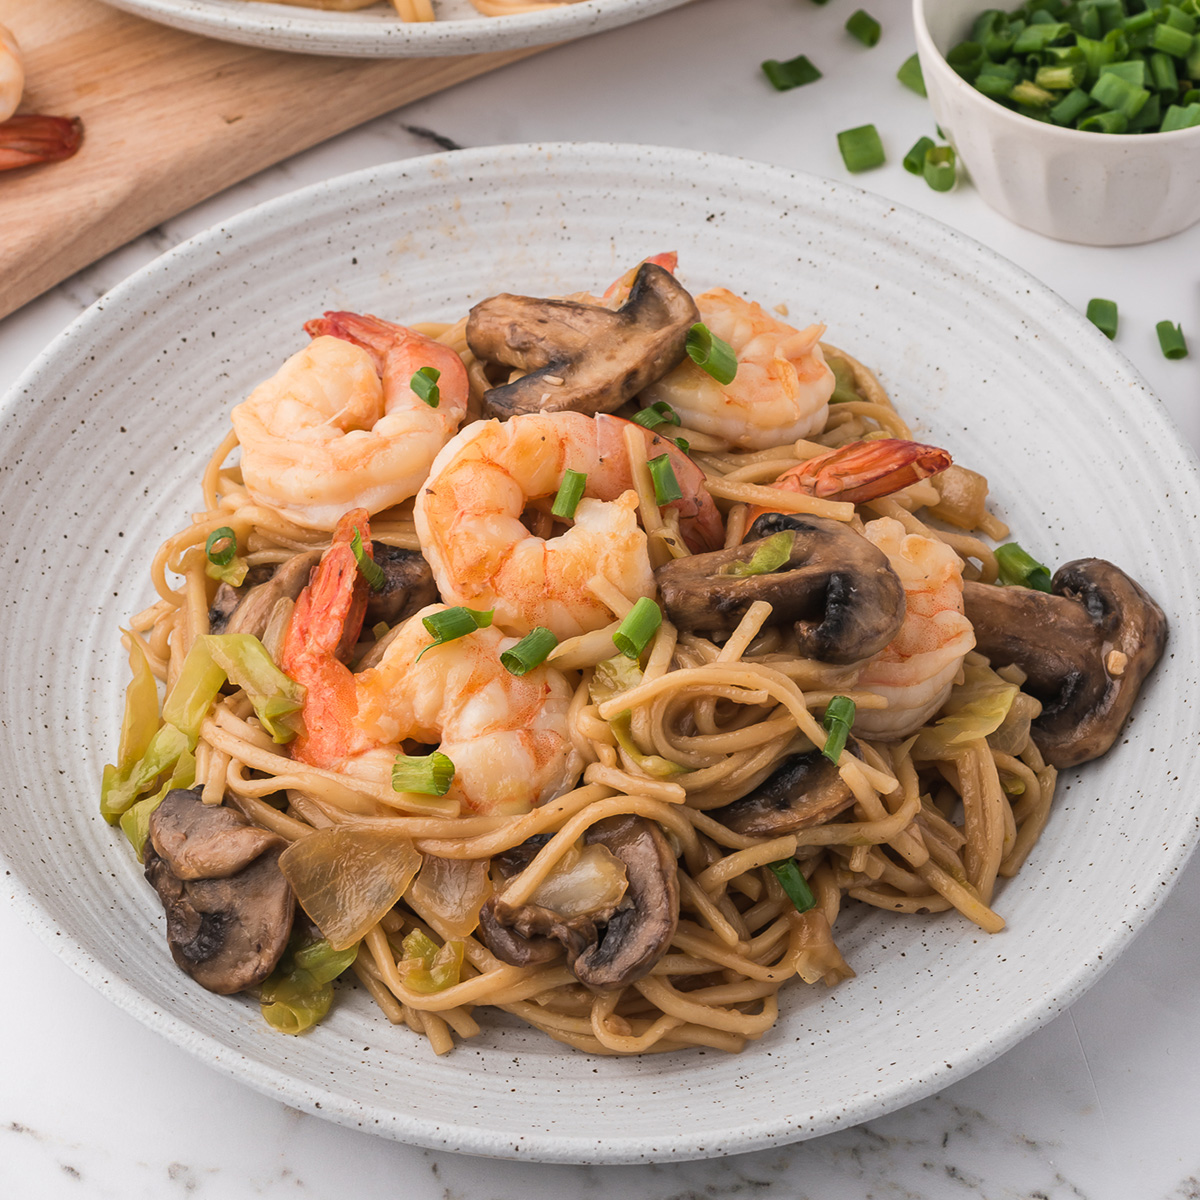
1104, 1103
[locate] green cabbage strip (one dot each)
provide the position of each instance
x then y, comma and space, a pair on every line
299, 992
426, 968
135, 821
610, 678
119, 789
976, 708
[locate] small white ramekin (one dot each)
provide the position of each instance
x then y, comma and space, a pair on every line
1096, 188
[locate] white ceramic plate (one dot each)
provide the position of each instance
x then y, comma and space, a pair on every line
103, 443
377, 32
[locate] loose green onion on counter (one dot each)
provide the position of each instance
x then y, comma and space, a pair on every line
666, 486
940, 171
711, 354
861, 148
427, 775
914, 160
570, 492
452, 623
911, 76
221, 546
794, 884
793, 73
638, 628
839, 716
864, 27
531, 651
1018, 569
1170, 338
371, 571
659, 413
1103, 314
425, 384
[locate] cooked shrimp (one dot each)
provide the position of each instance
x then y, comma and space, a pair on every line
505, 734
916, 670
28, 139
468, 518
782, 387
339, 423
12, 73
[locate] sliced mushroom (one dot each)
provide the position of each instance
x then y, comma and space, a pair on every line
229, 909
840, 591
1086, 647
534, 943
408, 585
804, 790
257, 596
582, 357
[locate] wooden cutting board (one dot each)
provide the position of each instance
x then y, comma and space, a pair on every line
169, 119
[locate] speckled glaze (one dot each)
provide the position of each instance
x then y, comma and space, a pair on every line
1093, 188
378, 33
104, 440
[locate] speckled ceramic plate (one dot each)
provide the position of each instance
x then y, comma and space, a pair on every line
103, 443
377, 32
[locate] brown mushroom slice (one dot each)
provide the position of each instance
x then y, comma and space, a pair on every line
1086, 647
258, 595
582, 357
229, 909
839, 590
408, 585
528, 949
804, 790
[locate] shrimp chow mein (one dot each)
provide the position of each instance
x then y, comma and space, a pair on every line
582, 659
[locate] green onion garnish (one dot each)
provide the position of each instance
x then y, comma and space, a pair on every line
769, 555
793, 73
221, 546
1170, 338
861, 148
656, 414
427, 775
425, 384
1018, 569
1103, 314
452, 623
939, 168
794, 884
711, 354
1171, 41
683, 444
666, 486
570, 492
914, 160
371, 571
529, 652
839, 716
1181, 117
638, 628
864, 27
911, 76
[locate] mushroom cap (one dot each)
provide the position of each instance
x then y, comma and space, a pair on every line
602, 357
839, 590
1086, 647
229, 909
408, 585
247, 609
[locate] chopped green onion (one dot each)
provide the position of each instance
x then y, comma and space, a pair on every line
911, 76
683, 444
666, 486
914, 160
1103, 314
1132, 71
452, 623
1171, 41
864, 27
529, 652
794, 884
1163, 73
1178, 19
370, 570
1029, 94
1070, 107
839, 716
1181, 118
219, 554
940, 172
659, 413
1105, 122
769, 555
793, 73
861, 148
425, 384
426, 775
1117, 94
1170, 338
1060, 78
711, 354
1018, 569
570, 492
635, 632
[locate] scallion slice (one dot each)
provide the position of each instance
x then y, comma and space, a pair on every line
531, 651
769, 555
793, 73
911, 76
656, 414
221, 546
1018, 569
452, 623
1171, 41
570, 492
864, 27
1103, 314
1170, 338
425, 384
710, 354
638, 628
370, 570
940, 171
914, 160
426, 775
683, 444
839, 716
794, 884
861, 148
666, 486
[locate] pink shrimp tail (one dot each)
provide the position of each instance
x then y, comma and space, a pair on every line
323, 630
372, 334
28, 140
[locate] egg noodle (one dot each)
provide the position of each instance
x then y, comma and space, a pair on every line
928, 830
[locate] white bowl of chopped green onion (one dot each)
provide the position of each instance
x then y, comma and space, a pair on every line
1079, 120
